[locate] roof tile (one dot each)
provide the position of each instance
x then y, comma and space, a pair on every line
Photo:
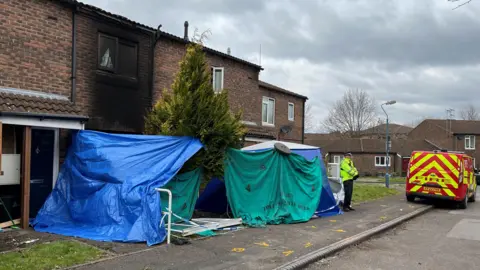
18, 103
279, 89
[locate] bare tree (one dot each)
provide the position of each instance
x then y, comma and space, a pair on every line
310, 123
354, 112
460, 2
469, 113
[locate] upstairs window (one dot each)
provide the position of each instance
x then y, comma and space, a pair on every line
382, 161
117, 55
291, 111
268, 111
217, 79
337, 159
470, 142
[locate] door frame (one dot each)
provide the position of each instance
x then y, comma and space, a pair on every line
56, 152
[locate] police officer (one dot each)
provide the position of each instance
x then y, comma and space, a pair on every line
348, 173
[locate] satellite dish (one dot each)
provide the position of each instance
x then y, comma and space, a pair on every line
286, 129
282, 148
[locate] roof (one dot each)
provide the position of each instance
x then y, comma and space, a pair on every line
270, 145
403, 147
278, 89
392, 129
409, 146
465, 127
20, 103
154, 30
356, 145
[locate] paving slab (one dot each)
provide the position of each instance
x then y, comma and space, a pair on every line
440, 239
264, 248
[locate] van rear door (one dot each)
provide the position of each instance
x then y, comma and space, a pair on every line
435, 173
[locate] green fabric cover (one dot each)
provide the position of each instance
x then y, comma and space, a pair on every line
184, 188
271, 188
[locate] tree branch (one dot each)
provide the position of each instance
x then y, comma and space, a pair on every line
460, 5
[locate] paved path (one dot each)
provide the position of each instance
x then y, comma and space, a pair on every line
441, 239
263, 248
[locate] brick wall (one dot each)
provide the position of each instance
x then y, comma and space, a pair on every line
281, 114
113, 102
35, 46
438, 135
239, 79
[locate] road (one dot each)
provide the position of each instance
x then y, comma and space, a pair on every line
441, 239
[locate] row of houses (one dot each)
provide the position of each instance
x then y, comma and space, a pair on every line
65, 66
369, 149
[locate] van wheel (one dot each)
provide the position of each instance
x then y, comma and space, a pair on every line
410, 198
474, 196
463, 204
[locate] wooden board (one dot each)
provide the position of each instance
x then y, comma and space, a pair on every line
1, 138
7, 224
26, 161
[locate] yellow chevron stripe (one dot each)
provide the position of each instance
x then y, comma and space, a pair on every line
415, 188
449, 165
436, 166
449, 192
417, 164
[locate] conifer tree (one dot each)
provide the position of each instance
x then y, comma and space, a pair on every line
192, 108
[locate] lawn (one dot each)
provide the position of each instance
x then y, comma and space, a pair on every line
53, 255
368, 192
393, 180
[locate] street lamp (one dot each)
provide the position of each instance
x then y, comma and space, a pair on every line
387, 145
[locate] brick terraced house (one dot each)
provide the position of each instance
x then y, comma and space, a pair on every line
68, 66
431, 134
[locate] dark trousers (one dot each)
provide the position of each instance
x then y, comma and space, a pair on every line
348, 187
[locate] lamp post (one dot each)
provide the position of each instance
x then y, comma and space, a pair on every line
387, 145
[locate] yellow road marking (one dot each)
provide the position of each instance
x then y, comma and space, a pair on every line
288, 253
238, 250
263, 244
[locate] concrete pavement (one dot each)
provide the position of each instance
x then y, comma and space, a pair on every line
441, 239
264, 248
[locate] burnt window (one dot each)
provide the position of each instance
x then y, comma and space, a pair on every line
117, 55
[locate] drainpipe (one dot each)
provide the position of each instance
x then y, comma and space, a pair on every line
156, 37
303, 124
74, 55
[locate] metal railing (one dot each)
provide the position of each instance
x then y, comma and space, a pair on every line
168, 213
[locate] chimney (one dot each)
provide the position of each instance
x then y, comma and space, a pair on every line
228, 51
185, 36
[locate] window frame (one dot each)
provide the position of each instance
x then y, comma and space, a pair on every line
470, 146
293, 111
339, 159
377, 164
214, 77
265, 100
118, 42
99, 57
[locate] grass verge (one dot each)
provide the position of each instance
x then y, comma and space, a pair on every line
368, 192
53, 255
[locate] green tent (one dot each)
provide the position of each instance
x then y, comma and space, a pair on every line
269, 187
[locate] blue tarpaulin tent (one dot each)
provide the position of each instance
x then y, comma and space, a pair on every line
106, 188
214, 198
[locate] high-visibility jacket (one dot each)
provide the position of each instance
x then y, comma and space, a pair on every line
347, 170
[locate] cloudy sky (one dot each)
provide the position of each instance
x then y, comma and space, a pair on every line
422, 54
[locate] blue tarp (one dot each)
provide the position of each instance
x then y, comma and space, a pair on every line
214, 198
106, 188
